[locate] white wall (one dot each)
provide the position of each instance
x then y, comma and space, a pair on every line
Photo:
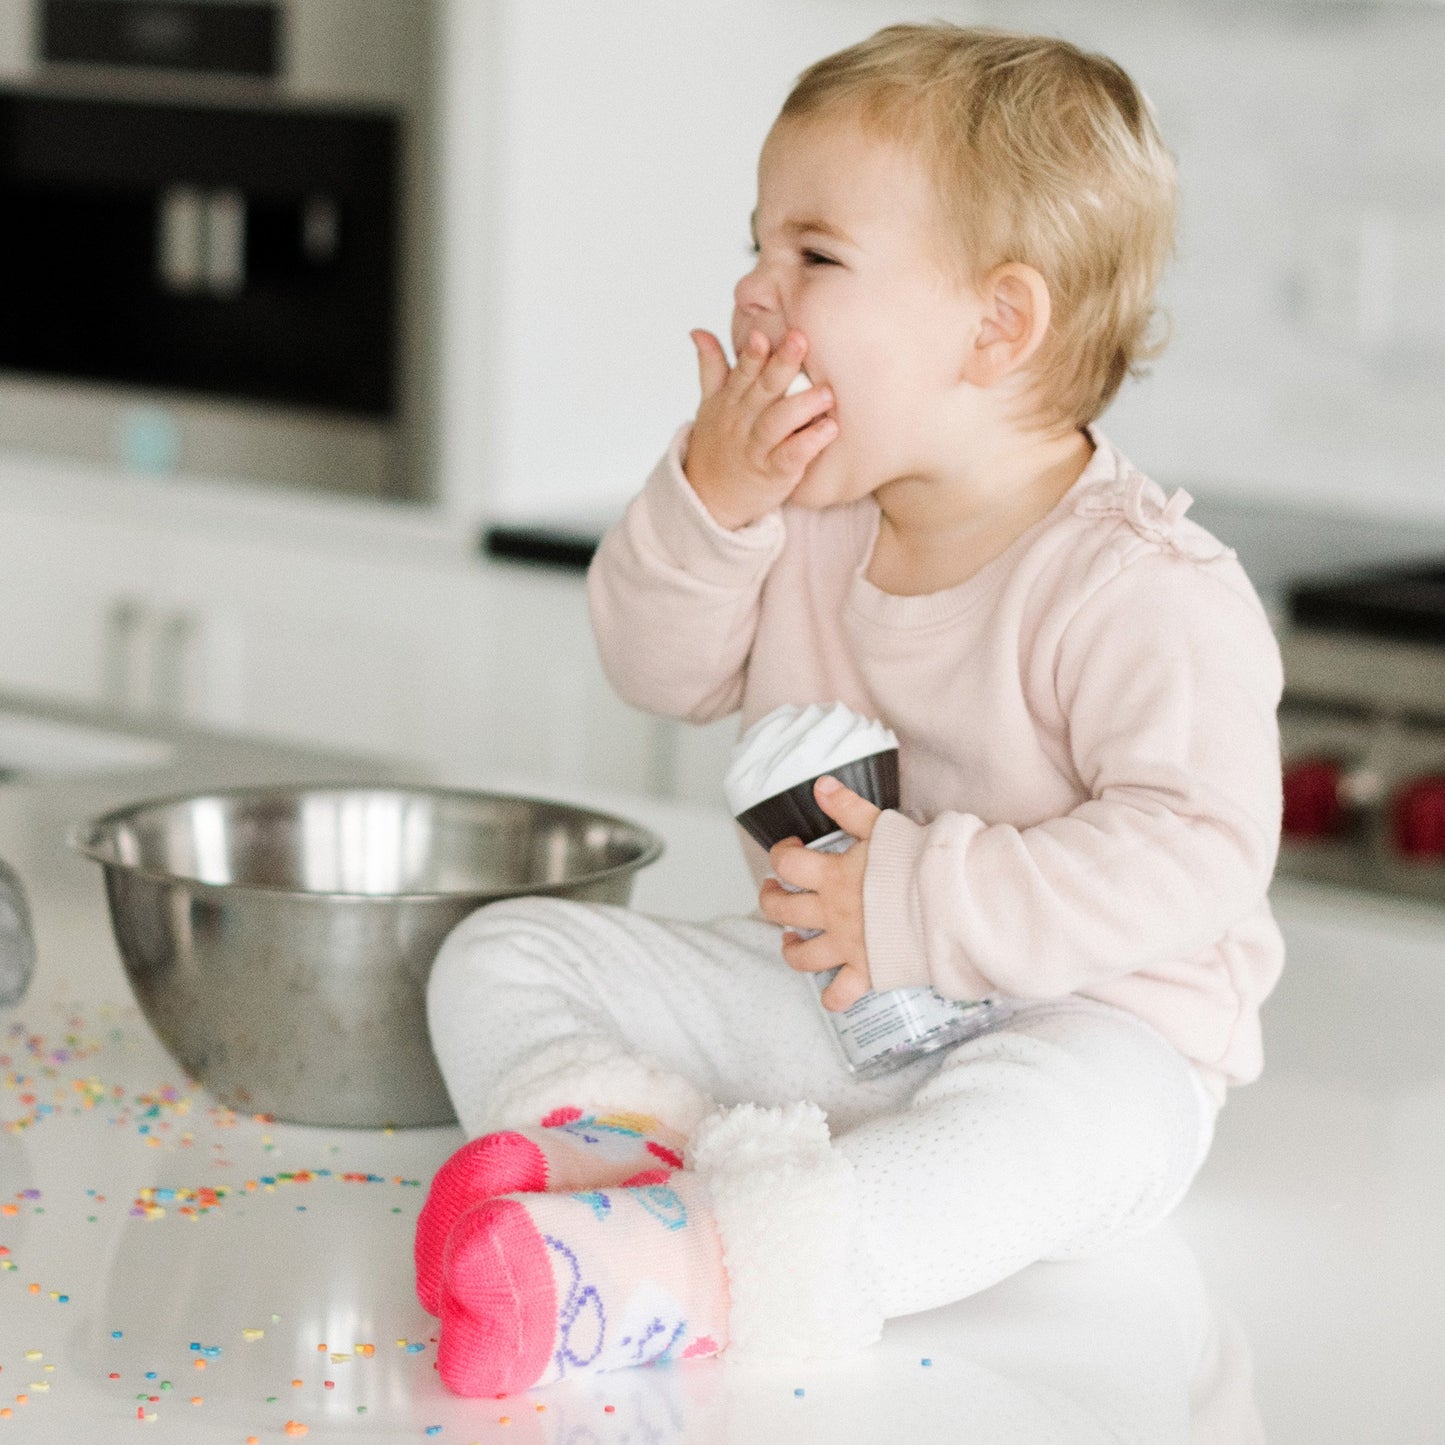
626, 139
601, 174
1308, 299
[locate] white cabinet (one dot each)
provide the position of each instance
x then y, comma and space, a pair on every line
551, 712
365, 647
555, 705
395, 642
346, 648
370, 642
60, 581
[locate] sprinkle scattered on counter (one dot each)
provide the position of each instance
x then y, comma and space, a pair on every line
193, 1202
64, 1075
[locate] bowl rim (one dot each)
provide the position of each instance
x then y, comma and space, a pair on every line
80, 838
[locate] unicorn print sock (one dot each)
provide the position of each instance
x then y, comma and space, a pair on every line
568, 1150
537, 1287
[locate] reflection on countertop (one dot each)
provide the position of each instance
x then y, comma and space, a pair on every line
169, 1257
219, 1275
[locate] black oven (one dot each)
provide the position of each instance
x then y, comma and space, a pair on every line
220, 250
215, 221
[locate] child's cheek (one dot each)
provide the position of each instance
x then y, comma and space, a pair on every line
825, 483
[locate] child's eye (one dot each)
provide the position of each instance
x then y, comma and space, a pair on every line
817, 258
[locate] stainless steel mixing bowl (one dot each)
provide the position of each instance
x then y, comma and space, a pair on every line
279, 940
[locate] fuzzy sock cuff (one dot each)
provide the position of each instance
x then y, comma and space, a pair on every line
592, 1074
786, 1206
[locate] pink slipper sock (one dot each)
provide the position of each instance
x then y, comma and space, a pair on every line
541, 1286
569, 1150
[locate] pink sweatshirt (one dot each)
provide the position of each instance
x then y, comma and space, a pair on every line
1088, 743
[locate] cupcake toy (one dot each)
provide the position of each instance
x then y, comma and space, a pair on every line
769, 789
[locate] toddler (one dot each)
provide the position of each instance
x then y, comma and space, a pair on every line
958, 236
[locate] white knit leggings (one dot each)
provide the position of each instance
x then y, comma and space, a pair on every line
1071, 1128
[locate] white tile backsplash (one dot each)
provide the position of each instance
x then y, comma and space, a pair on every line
1308, 297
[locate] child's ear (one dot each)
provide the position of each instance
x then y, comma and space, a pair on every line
1014, 319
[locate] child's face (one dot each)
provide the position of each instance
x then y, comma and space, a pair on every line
850, 254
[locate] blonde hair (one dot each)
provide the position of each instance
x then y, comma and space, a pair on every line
1041, 154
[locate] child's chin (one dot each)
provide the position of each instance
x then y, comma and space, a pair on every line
818, 490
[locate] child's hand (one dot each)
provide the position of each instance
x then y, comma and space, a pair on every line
834, 903
751, 443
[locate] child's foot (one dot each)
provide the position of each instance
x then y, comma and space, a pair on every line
569, 1150
540, 1286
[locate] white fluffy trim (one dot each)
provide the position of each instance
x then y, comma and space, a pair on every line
787, 1210
592, 1073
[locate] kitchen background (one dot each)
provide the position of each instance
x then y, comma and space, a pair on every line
332, 331
567, 194
1308, 301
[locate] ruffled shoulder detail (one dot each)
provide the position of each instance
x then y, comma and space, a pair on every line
1143, 505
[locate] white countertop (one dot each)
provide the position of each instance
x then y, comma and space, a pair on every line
1302, 1285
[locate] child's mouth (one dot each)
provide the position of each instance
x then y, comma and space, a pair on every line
803, 382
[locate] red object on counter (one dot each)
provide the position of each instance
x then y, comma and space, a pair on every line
1313, 807
1417, 818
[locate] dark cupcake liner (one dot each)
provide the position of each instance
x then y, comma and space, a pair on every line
795, 814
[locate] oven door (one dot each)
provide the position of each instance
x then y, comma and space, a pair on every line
231, 252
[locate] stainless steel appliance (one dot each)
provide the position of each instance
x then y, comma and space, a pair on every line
216, 239
1363, 730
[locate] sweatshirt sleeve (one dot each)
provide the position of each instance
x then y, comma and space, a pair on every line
674, 597
1169, 677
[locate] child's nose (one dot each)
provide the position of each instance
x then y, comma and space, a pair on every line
757, 307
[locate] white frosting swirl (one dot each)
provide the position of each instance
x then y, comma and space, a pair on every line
792, 744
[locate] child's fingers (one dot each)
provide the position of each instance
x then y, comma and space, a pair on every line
845, 990
751, 360
811, 955
798, 865
782, 367
712, 362
793, 910
789, 414
793, 456
852, 813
